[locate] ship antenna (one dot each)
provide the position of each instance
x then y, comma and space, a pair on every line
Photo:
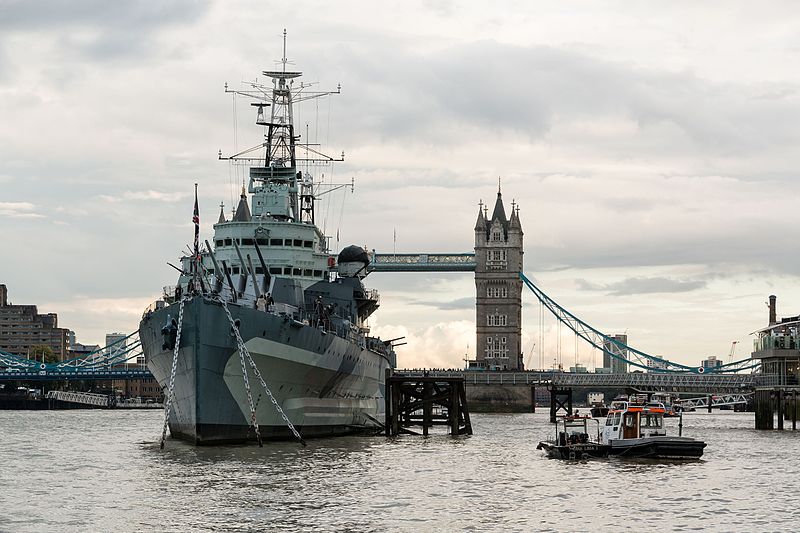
284, 51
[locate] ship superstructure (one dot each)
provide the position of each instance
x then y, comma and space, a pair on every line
268, 293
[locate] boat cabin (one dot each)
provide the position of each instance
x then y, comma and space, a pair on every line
627, 420
575, 430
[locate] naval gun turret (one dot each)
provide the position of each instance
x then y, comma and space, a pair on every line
353, 262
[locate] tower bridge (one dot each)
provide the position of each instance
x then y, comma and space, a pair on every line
499, 281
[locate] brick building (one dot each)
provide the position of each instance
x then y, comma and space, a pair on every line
22, 328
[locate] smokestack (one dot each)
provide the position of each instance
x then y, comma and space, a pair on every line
773, 318
3, 296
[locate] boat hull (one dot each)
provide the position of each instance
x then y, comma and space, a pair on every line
325, 384
658, 448
574, 452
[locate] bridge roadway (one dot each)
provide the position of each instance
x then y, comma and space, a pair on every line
655, 382
71, 374
422, 262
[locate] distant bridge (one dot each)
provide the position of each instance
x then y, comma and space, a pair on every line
649, 382
422, 262
74, 374
115, 361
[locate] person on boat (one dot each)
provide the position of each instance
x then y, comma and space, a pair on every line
261, 303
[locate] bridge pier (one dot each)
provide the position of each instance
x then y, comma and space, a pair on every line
425, 401
560, 399
769, 401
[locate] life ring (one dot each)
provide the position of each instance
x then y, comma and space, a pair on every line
700, 369
42, 366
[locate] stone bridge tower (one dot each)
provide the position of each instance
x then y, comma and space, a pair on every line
498, 257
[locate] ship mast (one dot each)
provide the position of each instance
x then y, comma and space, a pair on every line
278, 166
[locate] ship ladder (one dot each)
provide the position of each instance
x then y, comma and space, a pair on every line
171, 387
244, 353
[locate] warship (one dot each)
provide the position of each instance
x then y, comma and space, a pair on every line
268, 299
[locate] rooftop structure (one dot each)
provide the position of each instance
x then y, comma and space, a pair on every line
778, 346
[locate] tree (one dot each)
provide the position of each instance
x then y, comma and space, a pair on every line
42, 350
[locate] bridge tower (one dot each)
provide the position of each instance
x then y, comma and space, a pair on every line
498, 258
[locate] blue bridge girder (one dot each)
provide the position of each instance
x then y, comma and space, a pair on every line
73, 374
421, 262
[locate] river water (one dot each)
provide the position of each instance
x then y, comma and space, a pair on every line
104, 471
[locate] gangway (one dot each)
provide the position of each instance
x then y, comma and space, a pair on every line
84, 398
721, 400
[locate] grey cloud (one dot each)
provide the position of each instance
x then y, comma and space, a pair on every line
453, 305
643, 285
99, 14
97, 29
490, 89
752, 248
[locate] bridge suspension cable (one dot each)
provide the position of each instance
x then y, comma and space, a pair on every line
636, 357
115, 353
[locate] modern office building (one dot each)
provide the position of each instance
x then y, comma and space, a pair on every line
617, 365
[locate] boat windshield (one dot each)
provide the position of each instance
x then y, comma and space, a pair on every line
650, 420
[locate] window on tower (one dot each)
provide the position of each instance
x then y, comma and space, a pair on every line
496, 320
497, 291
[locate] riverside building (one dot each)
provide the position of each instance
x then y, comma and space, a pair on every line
22, 328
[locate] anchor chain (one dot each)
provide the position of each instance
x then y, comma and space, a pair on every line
244, 352
171, 387
253, 419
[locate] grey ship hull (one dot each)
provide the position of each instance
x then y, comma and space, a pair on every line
325, 384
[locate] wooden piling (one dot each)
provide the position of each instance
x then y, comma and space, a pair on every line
780, 409
794, 410
426, 401
762, 405
533, 398
709, 399
560, 399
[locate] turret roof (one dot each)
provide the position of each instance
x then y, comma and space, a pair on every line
242, 210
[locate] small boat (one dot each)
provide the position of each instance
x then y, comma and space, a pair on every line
597, 404
599, 410
636, 429
572, 440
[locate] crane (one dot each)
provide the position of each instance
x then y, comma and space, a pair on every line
733, 350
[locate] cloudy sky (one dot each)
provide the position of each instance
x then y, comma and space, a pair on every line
653, 152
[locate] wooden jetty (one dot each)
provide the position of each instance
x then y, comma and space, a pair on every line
769, 400
425, 401
560, 399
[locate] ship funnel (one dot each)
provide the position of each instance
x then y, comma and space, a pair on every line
773, 317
